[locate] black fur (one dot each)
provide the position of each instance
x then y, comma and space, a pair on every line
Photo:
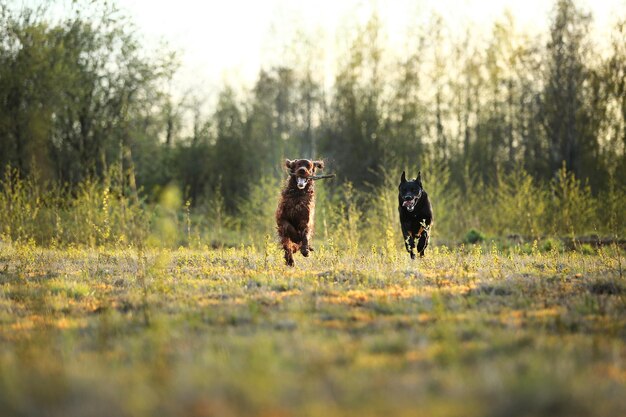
415, 223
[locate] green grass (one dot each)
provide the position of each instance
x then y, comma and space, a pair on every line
464, 332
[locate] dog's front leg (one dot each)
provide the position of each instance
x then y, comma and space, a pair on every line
305, 234
288, 256
423, 237
422, 243
288, 233
409, 241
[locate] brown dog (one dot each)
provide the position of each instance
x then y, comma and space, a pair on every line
296, 208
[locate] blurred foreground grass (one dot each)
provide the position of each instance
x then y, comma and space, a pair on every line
464, 332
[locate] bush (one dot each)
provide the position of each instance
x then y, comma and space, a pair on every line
550, 244
473, 236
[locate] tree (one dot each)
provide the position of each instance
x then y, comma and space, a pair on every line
406, 125
235, 167
355, 122
566, 75
69, 91
615, 76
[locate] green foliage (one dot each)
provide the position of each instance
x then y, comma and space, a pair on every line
340, 213
450, 210
106, 213
257, 217
586, 249
474, 236
381, 227
94, 139
96, 213
520, 205
148, 255
571, 205
610, 206
21, 203
75, 95
551, 244
167, 225
354, 126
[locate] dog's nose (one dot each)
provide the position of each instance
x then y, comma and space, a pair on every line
407, 198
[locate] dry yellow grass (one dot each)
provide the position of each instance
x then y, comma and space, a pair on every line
234, 332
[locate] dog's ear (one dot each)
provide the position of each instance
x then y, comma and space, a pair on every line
289, 164
402, 178
319, 164
419, 177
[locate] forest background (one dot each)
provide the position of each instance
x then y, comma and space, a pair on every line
515, 135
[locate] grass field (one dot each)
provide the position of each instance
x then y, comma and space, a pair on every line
471, 331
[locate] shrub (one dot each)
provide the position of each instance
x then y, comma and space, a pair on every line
551, 244
474, 236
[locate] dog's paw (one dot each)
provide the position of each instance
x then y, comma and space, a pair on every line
304, 251
289, 259
412, 255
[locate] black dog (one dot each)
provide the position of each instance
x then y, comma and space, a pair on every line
416, 214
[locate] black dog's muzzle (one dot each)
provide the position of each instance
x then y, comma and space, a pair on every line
410, 201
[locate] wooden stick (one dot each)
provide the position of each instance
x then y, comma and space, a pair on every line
317, 177
322, 177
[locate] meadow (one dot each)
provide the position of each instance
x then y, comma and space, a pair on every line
474, 330
140, 273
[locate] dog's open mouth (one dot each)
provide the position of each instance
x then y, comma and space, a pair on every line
301, 182
410, 204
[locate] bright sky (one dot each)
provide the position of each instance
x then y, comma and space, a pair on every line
229, 40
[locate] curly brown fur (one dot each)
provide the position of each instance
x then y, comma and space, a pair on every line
296, 208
